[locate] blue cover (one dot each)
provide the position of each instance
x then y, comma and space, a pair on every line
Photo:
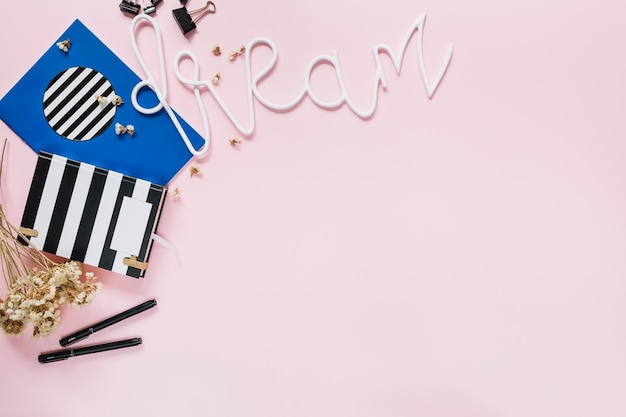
154, 153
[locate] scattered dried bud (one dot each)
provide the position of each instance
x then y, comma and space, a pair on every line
120, 129
235, 54
64, 45
102, 100
194, 169
117, 101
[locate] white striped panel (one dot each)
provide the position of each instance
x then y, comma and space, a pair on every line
75, 210
80, 97
64, 77
105, 118
103, 218
140, 192
58, 101
86, 118
48, 199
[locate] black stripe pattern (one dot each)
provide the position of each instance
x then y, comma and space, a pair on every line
71, 107
83, 212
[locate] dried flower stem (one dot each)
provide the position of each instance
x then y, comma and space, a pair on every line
13, 254
36, 285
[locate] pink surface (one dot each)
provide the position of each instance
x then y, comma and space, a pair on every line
461, 256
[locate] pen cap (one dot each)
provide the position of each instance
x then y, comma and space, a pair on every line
66, 341
47, 358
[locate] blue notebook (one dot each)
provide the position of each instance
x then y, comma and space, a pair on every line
64, 105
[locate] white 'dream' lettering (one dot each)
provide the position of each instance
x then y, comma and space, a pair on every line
333, 60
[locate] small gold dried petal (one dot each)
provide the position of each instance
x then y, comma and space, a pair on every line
176, 193
117, 101
235, 54
216, 78
194, 169
217, 51
234, 142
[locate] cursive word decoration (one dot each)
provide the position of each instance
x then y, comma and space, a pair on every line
306, 89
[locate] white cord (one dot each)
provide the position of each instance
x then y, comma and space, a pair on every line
167, 245
161, 93
253, 82
307, 89
196, 83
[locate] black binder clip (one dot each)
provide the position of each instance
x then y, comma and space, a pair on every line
129, 7
187, 19
152, 8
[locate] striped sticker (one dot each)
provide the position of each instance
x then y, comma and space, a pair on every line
70, 105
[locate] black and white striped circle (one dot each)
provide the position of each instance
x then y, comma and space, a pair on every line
71, 107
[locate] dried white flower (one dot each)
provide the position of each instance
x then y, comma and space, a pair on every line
119, 129
64, 45
101, 100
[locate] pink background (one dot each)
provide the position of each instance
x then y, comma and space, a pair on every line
461, 256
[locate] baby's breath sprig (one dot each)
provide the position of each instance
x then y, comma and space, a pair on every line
36, 285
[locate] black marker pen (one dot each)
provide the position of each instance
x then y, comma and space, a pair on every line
84, 333
60, 355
